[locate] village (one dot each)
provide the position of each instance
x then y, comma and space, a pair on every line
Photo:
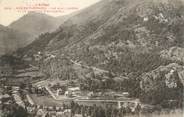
51, 99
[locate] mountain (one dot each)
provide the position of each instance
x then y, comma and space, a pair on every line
10, 40
36, 23
118, 35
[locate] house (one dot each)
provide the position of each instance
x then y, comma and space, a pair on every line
74, 91
68, 93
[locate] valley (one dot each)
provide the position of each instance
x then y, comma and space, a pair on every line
115, 58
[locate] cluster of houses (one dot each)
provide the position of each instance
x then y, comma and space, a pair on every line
28, 104
73, 93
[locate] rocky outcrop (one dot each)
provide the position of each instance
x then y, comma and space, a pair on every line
163, 83
174, 53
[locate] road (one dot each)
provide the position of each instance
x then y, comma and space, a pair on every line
50, 92
88, 67
30, 99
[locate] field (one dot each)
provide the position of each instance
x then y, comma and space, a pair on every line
47, 101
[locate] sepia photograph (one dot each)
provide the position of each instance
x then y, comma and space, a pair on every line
91, 58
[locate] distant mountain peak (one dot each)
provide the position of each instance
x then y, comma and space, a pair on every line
37, 14
35, 23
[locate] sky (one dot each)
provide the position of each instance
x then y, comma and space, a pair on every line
11, 10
